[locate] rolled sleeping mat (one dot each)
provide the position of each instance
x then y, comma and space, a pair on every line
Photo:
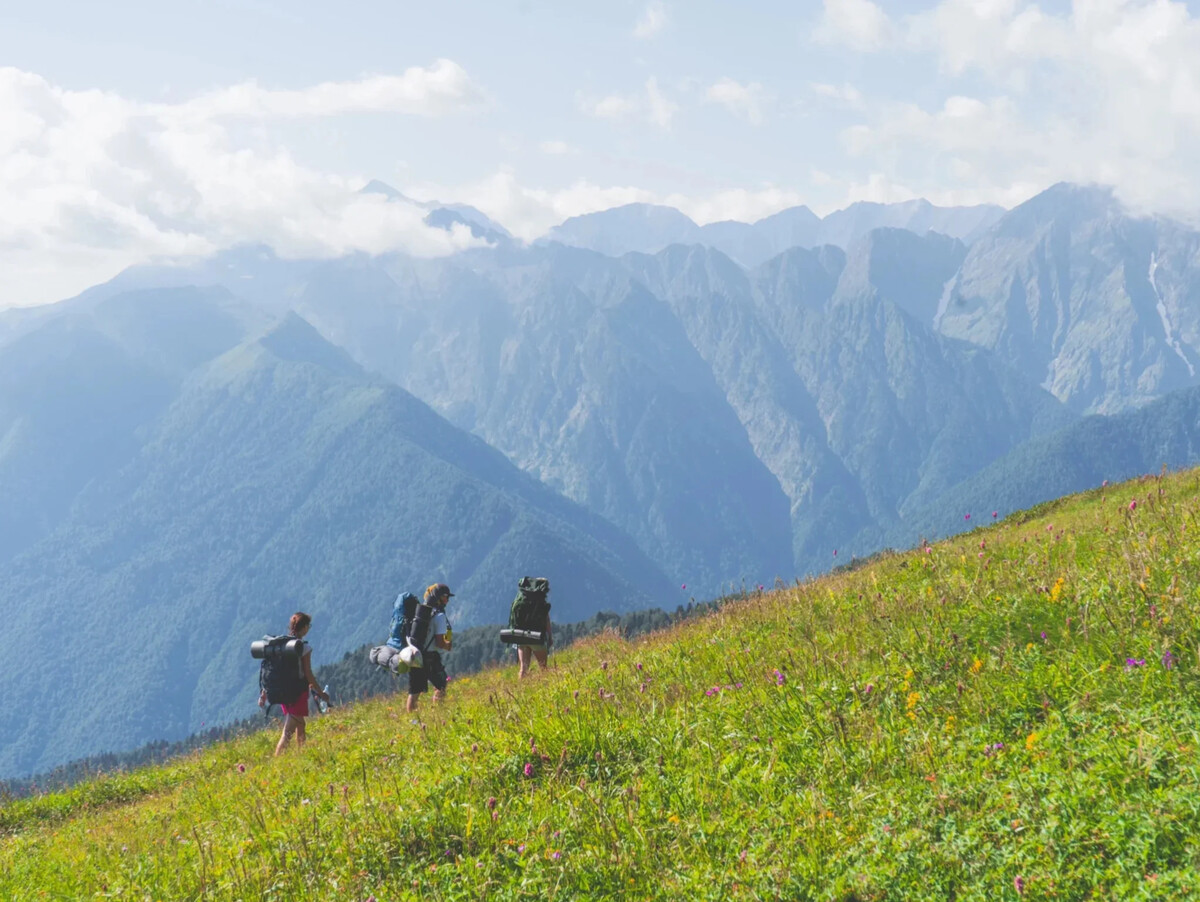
387, 657
536, 638
262, 648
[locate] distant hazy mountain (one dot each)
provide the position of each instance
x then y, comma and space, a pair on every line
857, 407
570, 366
1081, 456
241, 481
654, 389
1100, 306
646, 228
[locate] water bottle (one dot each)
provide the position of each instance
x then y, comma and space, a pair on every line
322, 705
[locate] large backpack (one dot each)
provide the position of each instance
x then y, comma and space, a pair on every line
529, 612
281, 673
403, 612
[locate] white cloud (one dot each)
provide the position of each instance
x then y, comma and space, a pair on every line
844, 94
742, 100
1107, 91
649, 104
659, 108
91, 182
556, 148
651, 22
858, 24
442, 88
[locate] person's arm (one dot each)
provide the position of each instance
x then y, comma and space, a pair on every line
312, 680
549, 634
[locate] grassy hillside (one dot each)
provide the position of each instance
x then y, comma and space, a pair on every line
1010, 713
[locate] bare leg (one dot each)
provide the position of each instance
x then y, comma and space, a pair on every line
540, 655
437, 696
411, 705
289, 727
300, 735
523, 652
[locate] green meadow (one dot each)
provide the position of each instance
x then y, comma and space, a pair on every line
1012, 713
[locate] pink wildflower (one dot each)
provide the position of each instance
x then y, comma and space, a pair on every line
528, 769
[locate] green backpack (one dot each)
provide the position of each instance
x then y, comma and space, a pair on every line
529, 613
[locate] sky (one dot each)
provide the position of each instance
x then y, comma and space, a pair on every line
135, 131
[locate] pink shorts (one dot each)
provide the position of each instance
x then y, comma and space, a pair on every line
298, 708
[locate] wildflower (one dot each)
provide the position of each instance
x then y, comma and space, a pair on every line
491, 803
780, 679
966, 516
556, 854
995, 514
868, 689
982, 544
639, 665
835, 552
1131, 663
684, 586
976, 666
981, 554
1019, 885
521, 849
928, 549
532, 744
474, 746
760, 587
642, 687
1104, 484
604, 665
1031, 740
449, 853
557, 834
1168, 660
1133, 505
1043, 635
576, 693
528, 769
242, 767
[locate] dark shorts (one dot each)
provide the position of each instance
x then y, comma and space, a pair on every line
432, 671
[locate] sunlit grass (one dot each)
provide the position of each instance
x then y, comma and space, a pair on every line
1013, 710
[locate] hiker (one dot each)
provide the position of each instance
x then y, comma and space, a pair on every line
430, 628
295, 711
529, 623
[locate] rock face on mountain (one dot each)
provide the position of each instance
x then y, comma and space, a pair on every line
250, 477
1102, 307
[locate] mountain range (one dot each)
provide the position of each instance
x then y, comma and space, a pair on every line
632, 405
198, 475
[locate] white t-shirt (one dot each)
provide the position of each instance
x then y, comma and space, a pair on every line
437, 627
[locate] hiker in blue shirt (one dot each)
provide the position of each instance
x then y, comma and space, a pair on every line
432, 670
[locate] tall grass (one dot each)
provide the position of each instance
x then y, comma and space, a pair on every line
1009, 714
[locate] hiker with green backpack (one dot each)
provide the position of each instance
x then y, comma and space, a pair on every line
529, 622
